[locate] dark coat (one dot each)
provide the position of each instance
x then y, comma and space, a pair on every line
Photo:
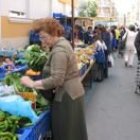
137, 44
107, 39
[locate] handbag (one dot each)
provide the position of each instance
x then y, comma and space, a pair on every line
100, 56
110, 61
48, 94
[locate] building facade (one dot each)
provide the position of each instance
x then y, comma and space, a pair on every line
106, 9
16, 18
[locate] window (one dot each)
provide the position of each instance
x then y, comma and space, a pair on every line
17, 14
18, 9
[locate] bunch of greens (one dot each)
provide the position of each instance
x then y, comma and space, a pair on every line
35, 57
14, 79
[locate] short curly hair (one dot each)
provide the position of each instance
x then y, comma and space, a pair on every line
51, 26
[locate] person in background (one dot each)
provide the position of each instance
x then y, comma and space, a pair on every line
68, 32
67, 27
100, 57
97, 30
137, 45
68, 115
130, 50
106, 37
122, 31
34, 35
99, 43
89, 36
78, 35
122, 42
114, 42
117, 36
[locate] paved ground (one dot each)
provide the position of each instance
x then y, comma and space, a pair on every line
112, 108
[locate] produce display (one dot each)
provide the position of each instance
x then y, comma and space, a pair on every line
35, 58
9, 124
83, 55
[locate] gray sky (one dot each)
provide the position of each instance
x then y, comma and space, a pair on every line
123, 6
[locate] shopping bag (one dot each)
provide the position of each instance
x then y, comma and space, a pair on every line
16, 105
100, 56
48, 94
110, 60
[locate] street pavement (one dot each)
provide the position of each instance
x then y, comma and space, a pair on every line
112, 108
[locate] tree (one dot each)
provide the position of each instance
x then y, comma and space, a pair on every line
88, 9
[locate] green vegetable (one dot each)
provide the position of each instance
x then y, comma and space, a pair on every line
7, 136
14, 118
4, 126
11, 124
35, 57
2, 116
11, 78
14, 79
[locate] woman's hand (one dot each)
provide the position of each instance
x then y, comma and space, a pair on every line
27, 81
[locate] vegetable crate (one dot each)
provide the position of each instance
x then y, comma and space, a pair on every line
2, 73
2, 76
39, 130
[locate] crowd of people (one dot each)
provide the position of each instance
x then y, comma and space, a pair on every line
123, 40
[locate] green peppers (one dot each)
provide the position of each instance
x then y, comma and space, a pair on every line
9, 125
7, 136
2, 116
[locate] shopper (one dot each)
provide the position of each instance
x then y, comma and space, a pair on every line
137, 45
100, 58
34, 35
68, 118
117, 36
78, 35
89, 36
122, 42
106, 37
130, 50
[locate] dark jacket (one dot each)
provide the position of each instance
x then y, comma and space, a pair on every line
34, 38
88, 38
107, 39
137, 44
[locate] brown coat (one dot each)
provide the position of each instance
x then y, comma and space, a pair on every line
63, 71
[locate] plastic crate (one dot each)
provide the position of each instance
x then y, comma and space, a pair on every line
39, 130
2, 73
2, 76
20, 68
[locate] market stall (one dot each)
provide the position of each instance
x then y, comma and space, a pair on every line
38, 127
